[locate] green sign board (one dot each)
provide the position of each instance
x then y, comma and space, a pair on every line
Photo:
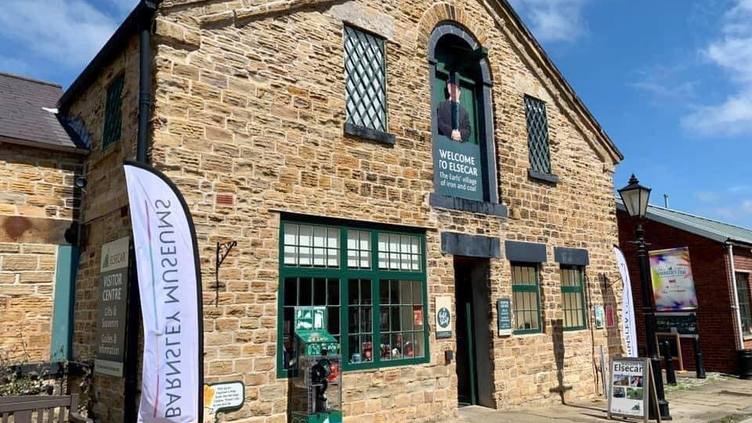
458, 168
504, 311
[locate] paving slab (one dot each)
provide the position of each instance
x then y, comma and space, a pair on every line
717, 399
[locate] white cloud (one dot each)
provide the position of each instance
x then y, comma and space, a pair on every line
64, 33
732, 52
665, 84
553, 20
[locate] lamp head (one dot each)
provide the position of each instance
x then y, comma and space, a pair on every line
635, 198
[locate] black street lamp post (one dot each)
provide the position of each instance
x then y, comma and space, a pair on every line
635, 198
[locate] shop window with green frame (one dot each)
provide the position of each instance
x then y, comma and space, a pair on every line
373, 283
113, 116
573, 297
526, 298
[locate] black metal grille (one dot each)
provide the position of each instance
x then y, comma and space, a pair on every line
365, 70
537, 130
113, 112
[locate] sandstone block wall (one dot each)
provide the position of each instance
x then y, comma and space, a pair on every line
37, 205
105, 215
249, 110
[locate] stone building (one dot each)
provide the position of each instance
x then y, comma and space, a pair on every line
40, 157
376, 158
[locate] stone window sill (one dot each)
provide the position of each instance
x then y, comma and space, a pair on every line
369, 134
456, 203
543, 177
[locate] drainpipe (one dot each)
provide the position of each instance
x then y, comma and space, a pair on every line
130, 399
144, 80
735, 307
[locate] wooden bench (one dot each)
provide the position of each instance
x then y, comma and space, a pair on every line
40, 409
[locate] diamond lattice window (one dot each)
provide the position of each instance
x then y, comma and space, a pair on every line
113, 116
365, 70
537, 130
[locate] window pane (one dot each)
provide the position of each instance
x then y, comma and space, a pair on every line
745, 311
573, 299
358, 249
113, 112
306, 295
402, 310
333, 292
525, 291
537, 127
365, 79
399, 252
304, 292
307, 245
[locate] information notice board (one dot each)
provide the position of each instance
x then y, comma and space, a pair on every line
111, 312
630, 388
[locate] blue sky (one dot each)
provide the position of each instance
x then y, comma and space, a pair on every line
669, 80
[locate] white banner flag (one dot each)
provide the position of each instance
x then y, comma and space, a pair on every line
169, 282
629, 330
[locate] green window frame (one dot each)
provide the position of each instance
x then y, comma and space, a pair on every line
573, 297
113, 117
745, 310
526, 298
365, 77
537, 133
372, 279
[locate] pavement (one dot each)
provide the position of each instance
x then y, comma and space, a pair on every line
717, 399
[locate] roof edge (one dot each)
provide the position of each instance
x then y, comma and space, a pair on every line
600, 132
693, 229
28, 79
106, 54
44, 146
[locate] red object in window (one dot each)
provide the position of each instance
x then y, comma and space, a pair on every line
418, 316
334, 372
367, 349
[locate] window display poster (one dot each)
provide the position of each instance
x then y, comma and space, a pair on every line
630, 380
673, 286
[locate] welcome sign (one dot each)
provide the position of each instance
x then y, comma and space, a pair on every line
169, 283
673, 285
458, 168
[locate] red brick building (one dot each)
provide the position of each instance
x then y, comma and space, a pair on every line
721, 256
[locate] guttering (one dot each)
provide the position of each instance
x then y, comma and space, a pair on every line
735, 295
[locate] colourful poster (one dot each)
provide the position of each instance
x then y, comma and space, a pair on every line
673, 286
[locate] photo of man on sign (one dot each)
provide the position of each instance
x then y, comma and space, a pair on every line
454, 121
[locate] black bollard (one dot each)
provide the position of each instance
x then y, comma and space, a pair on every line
670, 373
699, 363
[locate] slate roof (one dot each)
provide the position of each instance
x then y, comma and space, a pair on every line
28, 114
698, 225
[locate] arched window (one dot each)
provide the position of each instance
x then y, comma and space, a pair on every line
463, 147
